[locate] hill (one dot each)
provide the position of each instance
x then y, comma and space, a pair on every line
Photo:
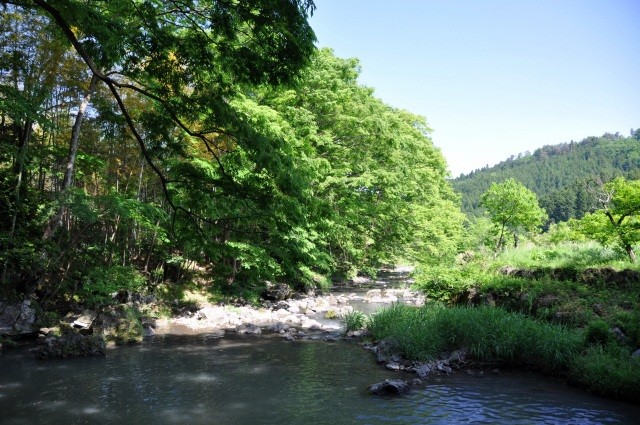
560, 175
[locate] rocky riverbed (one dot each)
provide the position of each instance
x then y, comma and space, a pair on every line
291, 318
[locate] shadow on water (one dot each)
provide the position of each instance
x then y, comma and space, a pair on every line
262, 380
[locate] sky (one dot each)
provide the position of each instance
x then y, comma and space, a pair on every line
495, 78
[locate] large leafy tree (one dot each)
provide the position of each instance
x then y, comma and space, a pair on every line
381, 181
617, 223
187, 57
169, 76
513, 208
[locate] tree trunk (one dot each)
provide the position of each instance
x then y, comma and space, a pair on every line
631, 253
500, 240
56, 221
25, 135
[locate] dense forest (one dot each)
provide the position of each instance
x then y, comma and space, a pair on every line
563, 176
141, 142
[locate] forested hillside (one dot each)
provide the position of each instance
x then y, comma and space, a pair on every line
561, 175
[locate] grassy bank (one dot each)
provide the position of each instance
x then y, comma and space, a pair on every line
494, 335
571, 309
576, 285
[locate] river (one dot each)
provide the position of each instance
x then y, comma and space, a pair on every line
265, 380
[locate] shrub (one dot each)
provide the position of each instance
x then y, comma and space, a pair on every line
598, 332
608, 370
355, 320
100, 283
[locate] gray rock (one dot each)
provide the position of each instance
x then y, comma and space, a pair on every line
386, 352
390, 387
277, 327
85, 321
636, 353
456, 357
393, 366
249, 329
423, 371
277, 292
617, 332
17, 318
71, 344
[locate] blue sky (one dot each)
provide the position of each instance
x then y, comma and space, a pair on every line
495, 77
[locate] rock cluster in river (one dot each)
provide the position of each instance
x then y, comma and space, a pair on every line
292, 318
71, 344
387, 354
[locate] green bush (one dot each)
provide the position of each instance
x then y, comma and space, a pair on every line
355, 320
608, 370
447, 283
598, 332
100, 283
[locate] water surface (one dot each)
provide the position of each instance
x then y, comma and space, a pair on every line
265, 380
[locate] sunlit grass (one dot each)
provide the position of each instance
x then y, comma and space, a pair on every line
486, 333
577, 255
591, 359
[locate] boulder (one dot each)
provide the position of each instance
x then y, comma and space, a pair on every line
636, 353
85, 321
249, 328
277, 292
71, 344
393, 366
423, 370
386, 352
390, 387
17, 318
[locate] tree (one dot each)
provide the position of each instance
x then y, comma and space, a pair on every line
381, 181
169, 76
513, 208
617, 223
187, 57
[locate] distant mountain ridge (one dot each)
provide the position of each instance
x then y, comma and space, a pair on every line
559, 174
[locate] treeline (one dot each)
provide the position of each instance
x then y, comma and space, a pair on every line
564, 177
139, 143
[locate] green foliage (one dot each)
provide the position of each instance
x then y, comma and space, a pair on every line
608, 371
447, 283
100, 283
127, 328
492, 334
598, 332
514, 208
380, 181
355, 320
224, 142
618, 222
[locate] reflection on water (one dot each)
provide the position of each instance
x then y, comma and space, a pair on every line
260, 380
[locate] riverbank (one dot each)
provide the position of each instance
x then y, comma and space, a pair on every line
493, 335
135, 316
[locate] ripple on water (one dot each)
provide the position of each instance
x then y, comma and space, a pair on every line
257, 380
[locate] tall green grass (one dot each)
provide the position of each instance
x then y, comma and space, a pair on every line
495, 335
488, 334
608, 370
577, 255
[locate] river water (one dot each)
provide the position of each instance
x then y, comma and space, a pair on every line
265, 380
